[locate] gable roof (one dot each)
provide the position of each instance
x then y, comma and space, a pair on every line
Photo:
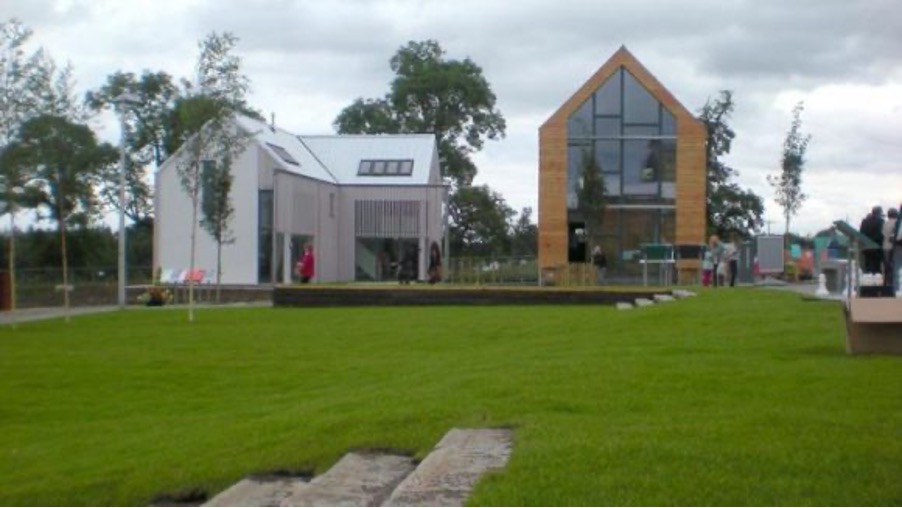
336, 158
342, 155
268, 138
622, 58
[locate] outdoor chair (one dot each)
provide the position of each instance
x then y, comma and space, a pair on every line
660, 254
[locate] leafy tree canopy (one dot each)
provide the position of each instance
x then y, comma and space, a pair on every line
730, 208
480, 219
430, 93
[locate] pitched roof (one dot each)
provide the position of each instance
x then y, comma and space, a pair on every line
342, 154
622, 58
336, 158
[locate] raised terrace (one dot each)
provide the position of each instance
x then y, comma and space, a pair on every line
352, 295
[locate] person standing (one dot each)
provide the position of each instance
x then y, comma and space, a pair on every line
897, 252
890, 239
407, 268
435, 263
707, 267
872, 227
717, 257
307, 265
731, 254
601, 264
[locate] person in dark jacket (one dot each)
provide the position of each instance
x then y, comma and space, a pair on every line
408, 265
435, 263
897, 253
872, 227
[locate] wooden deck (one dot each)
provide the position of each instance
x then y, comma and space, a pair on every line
348, 296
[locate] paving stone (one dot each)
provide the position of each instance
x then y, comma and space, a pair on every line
643, 302
663, 298
358, 479
258, 492
624, 306
683, 293
448, 474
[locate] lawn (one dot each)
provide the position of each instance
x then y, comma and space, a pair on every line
737, 397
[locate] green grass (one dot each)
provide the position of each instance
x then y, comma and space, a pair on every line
737, 397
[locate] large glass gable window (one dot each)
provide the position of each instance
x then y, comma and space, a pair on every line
632, 138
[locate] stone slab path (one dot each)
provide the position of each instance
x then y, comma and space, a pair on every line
450, 472
446, 477
355, 480
258, 492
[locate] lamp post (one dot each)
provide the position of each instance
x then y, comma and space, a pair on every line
123, 101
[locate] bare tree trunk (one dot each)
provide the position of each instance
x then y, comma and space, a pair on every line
12, 266
218, 269
191, 267
62, 226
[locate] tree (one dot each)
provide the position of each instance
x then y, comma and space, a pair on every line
479, 221
525, 235
16, 105
30, 85
449, 98
65, 161
148, 131
216, 203
453, 100
207, 119
590, 194
729, 207
788, 185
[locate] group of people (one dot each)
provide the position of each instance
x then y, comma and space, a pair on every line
720, 262
407, 268
886, 259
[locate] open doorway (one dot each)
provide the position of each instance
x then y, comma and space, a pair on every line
577, 249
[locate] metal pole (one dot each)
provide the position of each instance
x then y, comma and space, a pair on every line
122, 102
122, 162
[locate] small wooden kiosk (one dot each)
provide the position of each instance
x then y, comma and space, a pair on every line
873, 324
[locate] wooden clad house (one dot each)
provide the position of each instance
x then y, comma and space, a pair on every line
651, 152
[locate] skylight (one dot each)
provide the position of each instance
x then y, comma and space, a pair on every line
385, 167
285, 156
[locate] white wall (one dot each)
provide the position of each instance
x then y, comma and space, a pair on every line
173, 224
303, 208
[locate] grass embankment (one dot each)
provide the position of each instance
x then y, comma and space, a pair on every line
737, 397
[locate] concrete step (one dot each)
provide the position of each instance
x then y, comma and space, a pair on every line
358, 479
259, 491
447, 476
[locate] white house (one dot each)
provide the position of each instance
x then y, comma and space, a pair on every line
360, 200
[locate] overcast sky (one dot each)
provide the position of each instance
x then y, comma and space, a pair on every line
309, 59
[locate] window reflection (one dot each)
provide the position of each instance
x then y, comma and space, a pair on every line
668, 123
607, 98
639, 106
580, 123
607, 153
